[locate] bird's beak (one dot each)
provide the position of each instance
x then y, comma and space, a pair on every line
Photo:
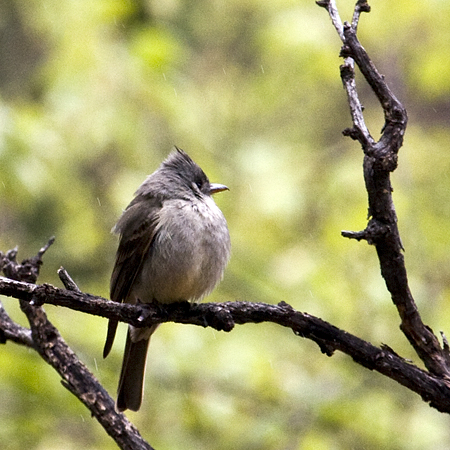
215, 187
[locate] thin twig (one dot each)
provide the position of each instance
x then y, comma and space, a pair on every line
330, 6
361, 6
67, 280
11, 331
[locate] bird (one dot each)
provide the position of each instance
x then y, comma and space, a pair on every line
174, 245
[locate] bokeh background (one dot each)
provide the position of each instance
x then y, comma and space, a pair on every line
93, 95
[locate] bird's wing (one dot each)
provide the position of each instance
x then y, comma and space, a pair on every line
137, 228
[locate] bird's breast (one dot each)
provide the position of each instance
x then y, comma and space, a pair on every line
188, 255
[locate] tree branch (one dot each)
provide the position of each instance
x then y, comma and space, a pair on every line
223, 316
380, 159
10, 331
47, 341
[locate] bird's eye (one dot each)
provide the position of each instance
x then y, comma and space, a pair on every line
196, 187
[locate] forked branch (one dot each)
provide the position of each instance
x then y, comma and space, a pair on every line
380, 159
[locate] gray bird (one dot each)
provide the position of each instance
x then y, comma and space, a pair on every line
174, 246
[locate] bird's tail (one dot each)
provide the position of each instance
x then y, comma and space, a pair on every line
131, 382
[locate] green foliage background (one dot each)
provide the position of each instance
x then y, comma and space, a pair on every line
93, 95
